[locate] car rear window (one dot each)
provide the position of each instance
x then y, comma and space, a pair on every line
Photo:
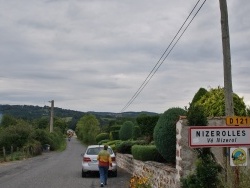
95, 151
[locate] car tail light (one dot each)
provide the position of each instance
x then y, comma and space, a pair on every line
86, 159
113, 158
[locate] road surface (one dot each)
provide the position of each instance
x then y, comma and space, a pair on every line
55, 170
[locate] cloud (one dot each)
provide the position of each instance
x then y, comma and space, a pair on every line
94, 55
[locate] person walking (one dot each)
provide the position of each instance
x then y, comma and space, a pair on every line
104, 163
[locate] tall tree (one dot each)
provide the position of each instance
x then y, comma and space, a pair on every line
87, 128
147, 124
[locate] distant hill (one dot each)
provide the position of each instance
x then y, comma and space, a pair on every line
29, 112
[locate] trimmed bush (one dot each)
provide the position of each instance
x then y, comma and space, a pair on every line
125, 146
147, 124
102, 136
126, 131
146, 153
114, 135
136, 132
113, 144
102, 142
165, 133
115, 127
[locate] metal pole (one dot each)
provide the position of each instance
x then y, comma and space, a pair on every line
51, 116
228, 89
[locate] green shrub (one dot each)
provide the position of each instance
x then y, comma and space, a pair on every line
205, 175
111, 142
146, 153
56, 140
165, 133
15, 135
102, 142
126, 131
147, 124
114, 135
196, 116
102, 136
136, 132
125, 146
200, 93
213, 103
115, 127
42, 136
34, 147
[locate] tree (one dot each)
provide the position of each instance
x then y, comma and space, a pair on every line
126, 131
147, 124
165, 133
8, 120
200, 93
61, 124
42, 123
15, 135
87, 128
213, 103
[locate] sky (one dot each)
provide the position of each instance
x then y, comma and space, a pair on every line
93, 55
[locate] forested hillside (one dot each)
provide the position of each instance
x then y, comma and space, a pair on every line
29, 112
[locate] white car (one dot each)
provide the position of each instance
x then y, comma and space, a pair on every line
90, 163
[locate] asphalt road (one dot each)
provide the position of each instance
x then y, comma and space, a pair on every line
55, 170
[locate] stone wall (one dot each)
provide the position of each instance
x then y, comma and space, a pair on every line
185, 156
162, 175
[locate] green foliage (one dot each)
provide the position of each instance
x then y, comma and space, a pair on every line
113, 144
42, 136
102, 136
15, 135
103, 142
8, 120
147, 124
248, 111
200, 93
213, 103
136, 132
61, 124
34, 146
115, 127
87, 128
205, 175
114, 135
125, 146
196, 116
146, 153
126, 131
42, 123
165, 133
24, 136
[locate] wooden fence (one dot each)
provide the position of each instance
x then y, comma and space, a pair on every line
11, 153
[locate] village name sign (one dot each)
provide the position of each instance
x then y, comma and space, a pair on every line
218, 136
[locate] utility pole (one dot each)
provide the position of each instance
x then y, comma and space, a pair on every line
228, 89
51, 116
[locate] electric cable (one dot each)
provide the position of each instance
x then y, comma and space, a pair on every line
157, 66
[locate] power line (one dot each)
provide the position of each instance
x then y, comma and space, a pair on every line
158, 64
